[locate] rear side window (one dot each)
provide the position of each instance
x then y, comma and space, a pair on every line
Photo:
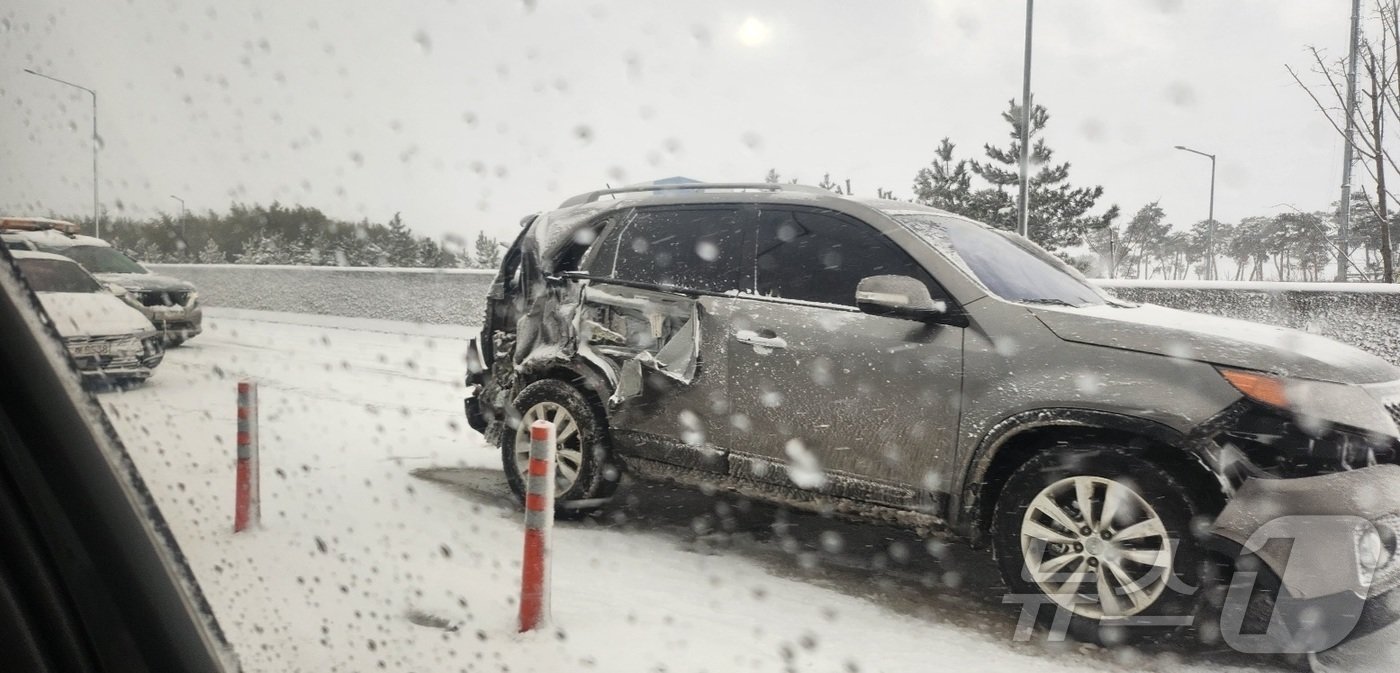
692, 248
817, 257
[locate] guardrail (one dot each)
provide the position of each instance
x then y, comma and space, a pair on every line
1362, 314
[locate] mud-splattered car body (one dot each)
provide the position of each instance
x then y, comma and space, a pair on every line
716, 374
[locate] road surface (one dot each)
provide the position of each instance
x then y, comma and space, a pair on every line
389, 540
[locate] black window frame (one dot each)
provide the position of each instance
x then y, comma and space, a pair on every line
610, 239
936, 289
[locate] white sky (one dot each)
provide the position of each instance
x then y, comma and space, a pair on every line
466, 115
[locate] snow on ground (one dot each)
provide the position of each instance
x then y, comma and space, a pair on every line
353, 545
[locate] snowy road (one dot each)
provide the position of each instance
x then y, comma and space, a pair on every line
382, 511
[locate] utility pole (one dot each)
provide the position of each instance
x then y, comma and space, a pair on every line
1022, 201
96, 212
1344, 205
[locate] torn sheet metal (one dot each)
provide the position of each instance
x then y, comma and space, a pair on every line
622, 331
636, 330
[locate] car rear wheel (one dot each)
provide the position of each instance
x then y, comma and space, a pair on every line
585, 476
1104, 535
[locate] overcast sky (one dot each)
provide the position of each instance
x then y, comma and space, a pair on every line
466, 115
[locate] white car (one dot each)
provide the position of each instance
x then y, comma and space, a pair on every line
108, 339
171, 304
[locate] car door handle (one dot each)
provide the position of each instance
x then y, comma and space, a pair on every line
753, 338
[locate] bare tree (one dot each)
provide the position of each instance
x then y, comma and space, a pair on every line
1378, 53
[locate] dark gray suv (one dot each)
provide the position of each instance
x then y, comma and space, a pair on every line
890, 361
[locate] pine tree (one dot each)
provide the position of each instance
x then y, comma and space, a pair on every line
432, 255
772, 177
211, 253
264, 250
944, 184
1058, 212
400, 249
488, 251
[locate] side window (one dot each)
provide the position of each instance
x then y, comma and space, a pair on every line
601, 256
822, 258
691, 248
576, 253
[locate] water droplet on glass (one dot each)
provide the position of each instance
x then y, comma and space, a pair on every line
803, 467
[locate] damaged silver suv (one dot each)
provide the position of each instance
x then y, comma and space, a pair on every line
890, 361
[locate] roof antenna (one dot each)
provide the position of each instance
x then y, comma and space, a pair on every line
610, 187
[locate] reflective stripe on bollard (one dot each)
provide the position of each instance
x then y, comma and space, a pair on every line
539, 519
246, 511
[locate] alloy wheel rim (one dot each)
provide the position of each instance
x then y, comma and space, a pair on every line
1096, 547
568, 454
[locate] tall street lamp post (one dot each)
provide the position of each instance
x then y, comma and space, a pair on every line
183, 240
96, 212
1210, 219
1023, 200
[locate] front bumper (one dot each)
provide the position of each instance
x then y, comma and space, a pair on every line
127, 357
114, 374
1306, 531
177, 322
1374, 645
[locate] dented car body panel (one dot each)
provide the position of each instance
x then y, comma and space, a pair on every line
712, 371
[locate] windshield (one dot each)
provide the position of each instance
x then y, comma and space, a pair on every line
695, 239
1011, 267
101, 259
51, 275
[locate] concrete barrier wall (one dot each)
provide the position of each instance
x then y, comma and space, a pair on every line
435, 296
1364, 315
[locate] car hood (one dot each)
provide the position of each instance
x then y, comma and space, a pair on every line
83, 314
1223, 341
137, 282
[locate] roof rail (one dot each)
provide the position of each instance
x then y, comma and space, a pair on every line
589, 197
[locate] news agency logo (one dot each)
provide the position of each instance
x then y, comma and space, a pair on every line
1329, 565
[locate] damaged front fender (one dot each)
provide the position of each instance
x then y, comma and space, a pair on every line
1329, 541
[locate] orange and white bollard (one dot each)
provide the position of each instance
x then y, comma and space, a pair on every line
246, 511
539, 519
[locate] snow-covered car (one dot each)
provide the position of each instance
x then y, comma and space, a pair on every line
171, 304
890, 361
109, 340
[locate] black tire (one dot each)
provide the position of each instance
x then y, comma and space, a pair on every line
1175, 506
597, 475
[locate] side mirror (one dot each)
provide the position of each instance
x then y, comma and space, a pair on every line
904, 297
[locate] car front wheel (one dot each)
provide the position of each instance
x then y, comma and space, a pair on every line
1104, 535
